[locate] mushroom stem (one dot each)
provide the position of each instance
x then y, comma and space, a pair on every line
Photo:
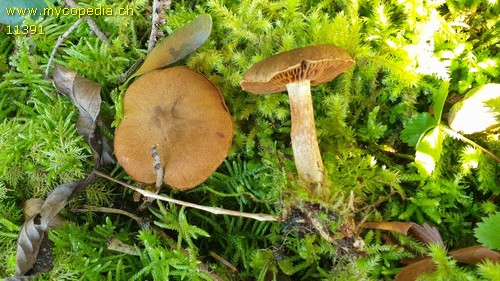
304, 140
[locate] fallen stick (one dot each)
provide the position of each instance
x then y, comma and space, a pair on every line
213, 210
60, 40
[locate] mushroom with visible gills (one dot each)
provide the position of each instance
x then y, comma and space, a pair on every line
296, 71
181, 113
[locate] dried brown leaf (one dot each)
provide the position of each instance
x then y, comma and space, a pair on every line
28, 244
33, 230
178, 45
401, 227
426, 234
469, 255
475, 254
410, 272
85, 95
33, 206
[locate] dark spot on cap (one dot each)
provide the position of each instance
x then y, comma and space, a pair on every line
221, 134
159, 114
159, 111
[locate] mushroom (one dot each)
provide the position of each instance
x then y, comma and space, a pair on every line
181, 113
296, 71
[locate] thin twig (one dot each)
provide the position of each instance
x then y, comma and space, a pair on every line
131, 70
159, 171
154, 26
157, 21
278, 153
96, 30
60, 40
91, 22
158, 167
213, 210
375, 205
319, 227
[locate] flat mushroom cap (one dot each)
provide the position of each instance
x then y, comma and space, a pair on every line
319, 64
184, 115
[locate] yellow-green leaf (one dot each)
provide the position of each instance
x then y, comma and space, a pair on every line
472, 114
439, 99
429, 151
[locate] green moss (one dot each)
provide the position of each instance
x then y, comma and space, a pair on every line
403, 52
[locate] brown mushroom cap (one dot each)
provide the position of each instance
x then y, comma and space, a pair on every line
318, 64
184, 115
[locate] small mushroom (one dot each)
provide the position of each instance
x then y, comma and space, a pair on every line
296, 71
181, 113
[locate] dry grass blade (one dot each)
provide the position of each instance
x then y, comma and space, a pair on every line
28, 244
401, 227
33, 206
115, 244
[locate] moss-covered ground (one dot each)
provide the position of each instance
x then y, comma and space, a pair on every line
408, 55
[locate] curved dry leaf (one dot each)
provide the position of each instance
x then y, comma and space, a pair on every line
85, 95
28, 244
475, 254
412, 271
33, 230
426, 234
33, 206
469, 255
63, 79
178, 45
